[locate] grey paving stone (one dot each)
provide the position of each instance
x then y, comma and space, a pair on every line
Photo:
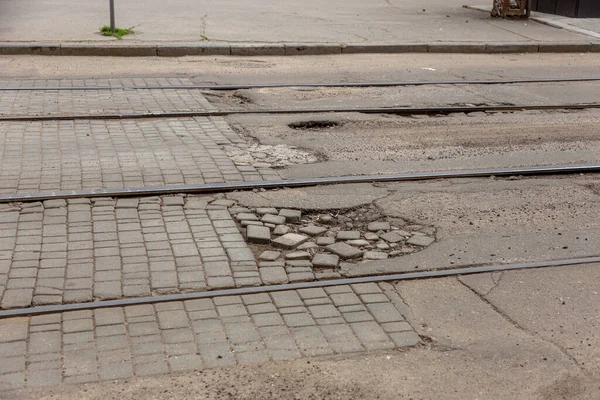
217, 355
297, 320
344, 251
365, 288
298, 264
375, 255
345, 299
154, 368
369, 331
273, 219
43, 378
273, 275
289, 240
324, 241
240, 254
288, 298
298, 255
420, 240
405, 339
324, 311
371, 236
358, 242
391, 327
266, 210
269, 255
172, 319
258, 234
313, 230
290, 215
385, 312
392, 237
116, 371
252, 223
281, 230
246, 217
374, 298
347, 235
379, 226
186, 362
323, 260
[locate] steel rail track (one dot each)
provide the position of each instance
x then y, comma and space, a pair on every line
305, 85
406, 111
50, 309
291, 183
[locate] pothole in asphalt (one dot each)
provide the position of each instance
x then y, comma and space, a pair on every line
317, 240
314, 125
269, 156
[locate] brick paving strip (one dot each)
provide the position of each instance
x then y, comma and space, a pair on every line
119, 343
116, 154
24, 103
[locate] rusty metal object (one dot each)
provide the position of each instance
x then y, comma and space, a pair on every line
511, 8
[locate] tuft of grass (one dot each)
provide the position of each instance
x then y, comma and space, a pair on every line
119, 32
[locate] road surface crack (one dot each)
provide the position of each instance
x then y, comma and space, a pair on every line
518, 326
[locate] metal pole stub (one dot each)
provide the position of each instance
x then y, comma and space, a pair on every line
112, 15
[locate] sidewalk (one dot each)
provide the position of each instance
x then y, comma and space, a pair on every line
181, 27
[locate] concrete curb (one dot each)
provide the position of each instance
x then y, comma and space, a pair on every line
287, 49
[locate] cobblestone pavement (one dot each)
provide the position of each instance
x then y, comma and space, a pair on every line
27, 103
117, 82
67, 155
105, 248
81, 250
118, 343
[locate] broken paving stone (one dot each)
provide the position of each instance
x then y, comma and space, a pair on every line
290, 215
371, 236
289, 240
375, 255
273, 219
383, 245
324, 241
222, 202
258, 234
401, 232
344, 250
307, 246
266, 210
392, 237
246, 217
323, 260
237, 210
313, 230
379, 226
281, 230
298, 255
265, 264
299, 263
256, 223
272, 226
348, 235
420, 240
358, 242
269, 255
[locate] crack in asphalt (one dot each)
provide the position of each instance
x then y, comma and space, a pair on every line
518, 326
